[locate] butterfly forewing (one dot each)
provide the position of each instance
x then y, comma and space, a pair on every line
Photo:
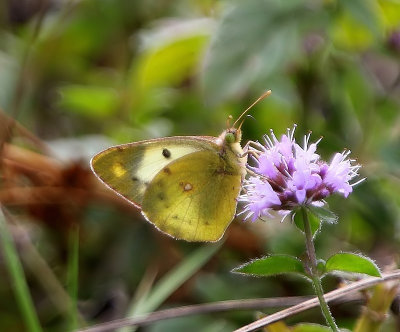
128, 169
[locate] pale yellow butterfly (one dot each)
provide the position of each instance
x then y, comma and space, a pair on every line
186, 186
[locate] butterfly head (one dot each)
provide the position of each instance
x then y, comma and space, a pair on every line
232, 135
230, 140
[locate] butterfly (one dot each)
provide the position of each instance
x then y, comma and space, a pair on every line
186, 186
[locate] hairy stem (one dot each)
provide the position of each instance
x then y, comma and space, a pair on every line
314, 273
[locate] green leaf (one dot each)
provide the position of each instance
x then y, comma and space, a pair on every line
352, 263
170, 63
315, 222
323, 214
321, 266
92, 101
271, 265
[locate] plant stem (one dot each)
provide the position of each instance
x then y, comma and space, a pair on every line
72, 277
18, 280
314, 273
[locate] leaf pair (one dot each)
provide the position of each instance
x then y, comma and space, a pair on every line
347, 263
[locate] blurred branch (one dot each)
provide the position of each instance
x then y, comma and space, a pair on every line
26, 160
49, 187
7, 122
298, 304
155, 316
336, 294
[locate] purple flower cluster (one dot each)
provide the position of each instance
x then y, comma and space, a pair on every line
287, 175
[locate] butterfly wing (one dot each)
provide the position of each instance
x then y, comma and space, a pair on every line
129, 168
194, 197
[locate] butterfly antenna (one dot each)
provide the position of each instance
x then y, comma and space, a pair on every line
247, 116
264, 95
228, 121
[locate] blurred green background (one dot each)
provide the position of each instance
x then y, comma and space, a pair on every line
83, 75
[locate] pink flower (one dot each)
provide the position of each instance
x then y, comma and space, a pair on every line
287, 176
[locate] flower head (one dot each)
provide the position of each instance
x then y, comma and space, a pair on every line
287, 176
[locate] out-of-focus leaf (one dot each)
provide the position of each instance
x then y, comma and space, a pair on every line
308, 327
271, 265
349, 34
89, 101
171, 55
391, 154
357, 26
170, 64
372, 203
358, 90
254, 38
352, 263
390, 10
279, 326
364, 12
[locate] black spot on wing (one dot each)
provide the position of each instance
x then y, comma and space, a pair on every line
166, 153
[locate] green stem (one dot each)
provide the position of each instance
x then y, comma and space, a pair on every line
18, 281
314, 273
72, 277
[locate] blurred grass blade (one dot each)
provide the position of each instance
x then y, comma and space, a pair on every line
377, 309
171, 281
72, 275
45, 277
18, 280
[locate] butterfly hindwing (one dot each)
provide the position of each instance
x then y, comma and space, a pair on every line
194, 197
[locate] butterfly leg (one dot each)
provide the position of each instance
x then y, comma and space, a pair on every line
249, 150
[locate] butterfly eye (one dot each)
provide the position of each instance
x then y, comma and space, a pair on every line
230, 138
